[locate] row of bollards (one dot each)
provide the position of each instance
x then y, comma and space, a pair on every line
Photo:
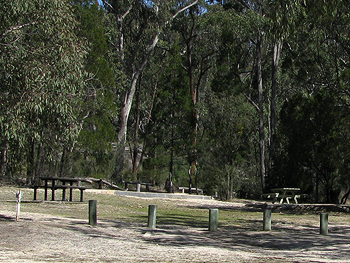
152, 216
213, 218
267, 221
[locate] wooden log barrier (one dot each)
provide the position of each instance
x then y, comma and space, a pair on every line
152, 216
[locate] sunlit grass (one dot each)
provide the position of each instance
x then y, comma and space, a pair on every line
170, 212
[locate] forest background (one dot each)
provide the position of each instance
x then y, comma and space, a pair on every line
231, 96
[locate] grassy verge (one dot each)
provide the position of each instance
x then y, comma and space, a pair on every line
170, 212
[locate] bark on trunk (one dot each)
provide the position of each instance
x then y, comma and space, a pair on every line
136, 135
272, 134
261, 113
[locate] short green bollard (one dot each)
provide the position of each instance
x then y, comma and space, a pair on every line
267, 218
213, 219
92, 212
324, 224
152, 216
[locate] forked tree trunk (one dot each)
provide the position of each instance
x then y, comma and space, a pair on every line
129, 96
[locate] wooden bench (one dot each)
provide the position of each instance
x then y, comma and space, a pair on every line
193, 189
64, 183
70, 187
138, 185
272, 196
64, 188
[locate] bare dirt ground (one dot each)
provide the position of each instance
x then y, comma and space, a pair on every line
46, 238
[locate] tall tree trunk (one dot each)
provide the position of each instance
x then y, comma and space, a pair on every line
194, 100
136, 134
272, 134
261, 112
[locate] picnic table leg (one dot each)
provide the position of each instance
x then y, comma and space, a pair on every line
53, 190
46, 186
295, 199
64, 192
35, 189
71, 193
81, 195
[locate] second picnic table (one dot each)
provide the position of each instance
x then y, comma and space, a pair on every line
66, 183
284, 194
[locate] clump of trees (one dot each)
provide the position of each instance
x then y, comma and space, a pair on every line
235, 97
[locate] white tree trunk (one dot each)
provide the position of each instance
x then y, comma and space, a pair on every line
125, 110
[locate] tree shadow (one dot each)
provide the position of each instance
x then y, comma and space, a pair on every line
281, 240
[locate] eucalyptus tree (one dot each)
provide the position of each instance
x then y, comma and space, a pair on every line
198, 45
315, 63
93, 154
140, 26
42, 75
261, 28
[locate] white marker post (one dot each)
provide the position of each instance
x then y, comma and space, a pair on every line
19, 196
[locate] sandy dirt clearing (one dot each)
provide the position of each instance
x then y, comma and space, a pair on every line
46, 238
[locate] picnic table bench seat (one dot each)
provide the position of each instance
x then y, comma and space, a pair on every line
54, 183
138, 185
64, 188
193, 189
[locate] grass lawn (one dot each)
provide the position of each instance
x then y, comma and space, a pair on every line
169, 211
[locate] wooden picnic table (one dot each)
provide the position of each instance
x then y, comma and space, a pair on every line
63, 183
286, 194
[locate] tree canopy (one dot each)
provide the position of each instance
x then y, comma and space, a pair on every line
235, 97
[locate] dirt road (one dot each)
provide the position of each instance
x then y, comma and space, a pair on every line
46, 238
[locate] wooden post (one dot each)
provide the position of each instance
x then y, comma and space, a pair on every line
92, 212
46, 186
138, 187
213, 219
324, 224
267, 218
53, 190
81, 194
35, 192
19, 196
152, 216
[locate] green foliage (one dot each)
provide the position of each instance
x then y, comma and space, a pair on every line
312, 126
42, 74
93, 155
226, 152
